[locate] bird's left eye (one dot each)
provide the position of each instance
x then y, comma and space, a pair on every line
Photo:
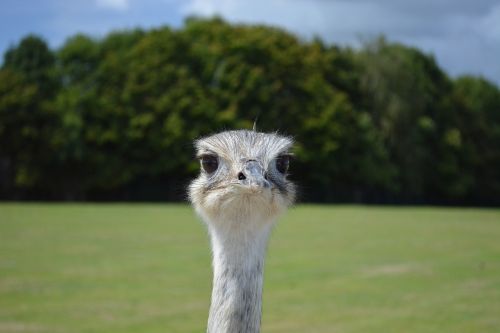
209, 163
282, 163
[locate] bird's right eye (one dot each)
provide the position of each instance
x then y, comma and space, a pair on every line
209, 163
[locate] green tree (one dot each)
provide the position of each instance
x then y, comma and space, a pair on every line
404, 92
115, 117
477, 123
28, 82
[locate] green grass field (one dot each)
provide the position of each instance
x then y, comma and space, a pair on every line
146, 268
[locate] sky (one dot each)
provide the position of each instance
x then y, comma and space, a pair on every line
463, 35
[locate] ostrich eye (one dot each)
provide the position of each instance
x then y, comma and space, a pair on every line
282, 163
209, 163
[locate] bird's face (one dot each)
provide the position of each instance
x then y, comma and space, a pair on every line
243, 176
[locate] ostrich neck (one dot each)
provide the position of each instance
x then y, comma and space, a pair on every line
238, 263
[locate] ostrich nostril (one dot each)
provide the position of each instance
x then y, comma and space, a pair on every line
241, 176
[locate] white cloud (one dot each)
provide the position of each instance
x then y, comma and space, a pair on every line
490, 24
120, 5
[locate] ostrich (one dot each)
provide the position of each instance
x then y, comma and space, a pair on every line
240, 192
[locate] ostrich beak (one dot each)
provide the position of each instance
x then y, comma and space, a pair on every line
253, 175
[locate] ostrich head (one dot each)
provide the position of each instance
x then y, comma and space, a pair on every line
243, 177
241, 190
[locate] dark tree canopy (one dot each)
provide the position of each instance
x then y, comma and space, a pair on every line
114, 118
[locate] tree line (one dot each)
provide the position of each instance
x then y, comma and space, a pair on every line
114, 118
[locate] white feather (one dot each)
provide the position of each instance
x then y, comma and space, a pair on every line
239, 220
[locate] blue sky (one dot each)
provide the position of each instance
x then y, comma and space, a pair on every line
464, 35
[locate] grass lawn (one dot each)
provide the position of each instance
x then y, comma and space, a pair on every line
146, 268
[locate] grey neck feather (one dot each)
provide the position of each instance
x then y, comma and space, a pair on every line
238, 263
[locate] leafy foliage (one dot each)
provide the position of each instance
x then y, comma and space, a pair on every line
115, 118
